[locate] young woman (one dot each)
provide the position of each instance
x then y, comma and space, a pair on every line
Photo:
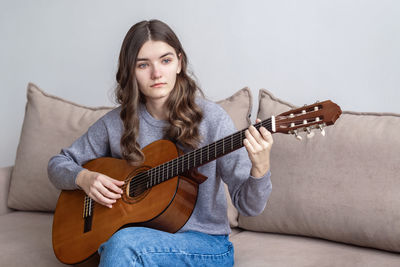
158, 100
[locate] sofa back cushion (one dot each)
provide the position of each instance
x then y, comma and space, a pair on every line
52, 123
342, 187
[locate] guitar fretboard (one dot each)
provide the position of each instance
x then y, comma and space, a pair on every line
196, 158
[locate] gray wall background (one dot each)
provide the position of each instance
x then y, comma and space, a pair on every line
302, 51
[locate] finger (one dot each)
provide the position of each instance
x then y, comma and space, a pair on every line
254, 137
99, 198
113, 184
256, 134
107, 193
117, 182
248, 146
266, 135
258, 120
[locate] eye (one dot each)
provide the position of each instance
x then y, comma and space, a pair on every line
142, 65
166, 60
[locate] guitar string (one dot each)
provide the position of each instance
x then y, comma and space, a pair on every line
142, 178
190, 159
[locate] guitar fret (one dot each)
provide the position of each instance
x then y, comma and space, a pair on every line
165, 172
155, 176
171, 168
169, 171
158, 175
177, 167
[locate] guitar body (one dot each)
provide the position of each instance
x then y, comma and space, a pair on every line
166, 206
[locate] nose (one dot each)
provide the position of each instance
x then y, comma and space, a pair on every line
155, 72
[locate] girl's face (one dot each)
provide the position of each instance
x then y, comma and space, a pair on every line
156, 68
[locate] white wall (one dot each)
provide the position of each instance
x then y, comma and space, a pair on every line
344, 50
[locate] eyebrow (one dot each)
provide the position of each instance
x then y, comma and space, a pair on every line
146, 59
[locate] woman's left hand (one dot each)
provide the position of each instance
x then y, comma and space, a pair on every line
258, 145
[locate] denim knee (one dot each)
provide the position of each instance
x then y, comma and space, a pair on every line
137, 246
118, 249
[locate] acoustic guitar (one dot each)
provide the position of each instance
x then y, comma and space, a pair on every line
162, 192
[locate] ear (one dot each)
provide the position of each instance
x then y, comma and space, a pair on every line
179, 63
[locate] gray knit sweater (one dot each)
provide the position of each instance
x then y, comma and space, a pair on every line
249, 195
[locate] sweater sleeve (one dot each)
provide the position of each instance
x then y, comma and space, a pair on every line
64, 167
249, 195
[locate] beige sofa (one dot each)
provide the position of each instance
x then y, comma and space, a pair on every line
335, 199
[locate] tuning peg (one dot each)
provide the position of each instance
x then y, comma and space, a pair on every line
310, 134
322, 130
298, 137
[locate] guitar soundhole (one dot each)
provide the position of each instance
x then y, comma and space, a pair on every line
136, 186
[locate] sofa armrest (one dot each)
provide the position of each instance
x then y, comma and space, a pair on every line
5, 178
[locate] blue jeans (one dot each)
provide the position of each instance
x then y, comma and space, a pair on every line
140, 246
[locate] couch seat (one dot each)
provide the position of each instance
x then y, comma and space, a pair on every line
264, 249
25, 239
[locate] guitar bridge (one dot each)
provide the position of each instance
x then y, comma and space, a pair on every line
87, 214
88, 224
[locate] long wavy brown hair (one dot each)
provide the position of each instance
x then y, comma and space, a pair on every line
184, 114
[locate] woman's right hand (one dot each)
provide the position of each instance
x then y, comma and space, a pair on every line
99, 187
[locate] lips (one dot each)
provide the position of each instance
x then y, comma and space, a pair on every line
157, 85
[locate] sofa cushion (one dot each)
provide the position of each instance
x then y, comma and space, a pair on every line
343, 187
239, 106
52, 123
263, 249
5, 177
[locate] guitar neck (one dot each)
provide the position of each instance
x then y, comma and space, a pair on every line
219, 148
201, 156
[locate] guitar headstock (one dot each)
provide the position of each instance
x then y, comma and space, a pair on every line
307, 118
